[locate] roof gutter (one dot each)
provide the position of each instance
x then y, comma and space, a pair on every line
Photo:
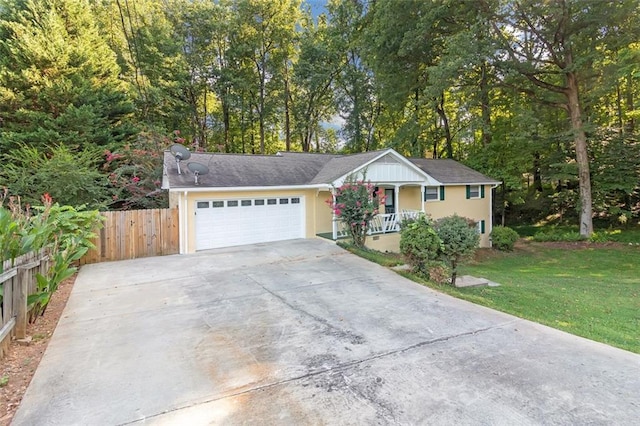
249, 188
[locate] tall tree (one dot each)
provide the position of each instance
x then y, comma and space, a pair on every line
314, 74
59, 80
551, 45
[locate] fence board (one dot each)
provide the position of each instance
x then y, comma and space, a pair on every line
135, 233
18, 281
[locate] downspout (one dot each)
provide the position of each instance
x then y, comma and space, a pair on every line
491, 213
334, 221
185, 225
180, 224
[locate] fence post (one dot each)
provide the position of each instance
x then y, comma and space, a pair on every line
21, 302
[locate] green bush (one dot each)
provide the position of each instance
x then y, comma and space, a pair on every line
551, 235
419, 243
503, 238
439, 273
459, 240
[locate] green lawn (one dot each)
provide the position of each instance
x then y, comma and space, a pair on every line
591, 292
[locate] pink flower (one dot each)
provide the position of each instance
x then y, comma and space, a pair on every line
135, 179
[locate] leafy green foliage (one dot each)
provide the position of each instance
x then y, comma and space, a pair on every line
69, 177
356, 203
135, 172
63, 231
503, 238
459, 239
59, 81
419, 243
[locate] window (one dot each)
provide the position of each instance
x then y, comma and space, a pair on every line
284, 201
258, 202
431, 193
216, 204
245, 203
480, 227
271, 201
202, 204
475, 191
233, 203
295, 200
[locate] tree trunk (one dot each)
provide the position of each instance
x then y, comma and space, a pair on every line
287, 113
582, 156
445, 124
630, 125
485, 106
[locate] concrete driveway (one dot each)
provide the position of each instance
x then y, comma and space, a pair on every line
302, 332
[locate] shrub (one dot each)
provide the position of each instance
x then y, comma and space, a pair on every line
459, 240
551, 235
504, 238
419, 243
439, 273
356, 203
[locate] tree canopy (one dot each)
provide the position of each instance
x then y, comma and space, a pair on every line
542, 95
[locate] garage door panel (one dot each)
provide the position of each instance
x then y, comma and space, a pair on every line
248, 221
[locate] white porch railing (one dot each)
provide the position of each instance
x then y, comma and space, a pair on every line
383, 223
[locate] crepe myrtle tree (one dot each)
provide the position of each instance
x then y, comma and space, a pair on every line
355, 203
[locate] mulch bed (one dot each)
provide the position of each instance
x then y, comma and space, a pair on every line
20, 363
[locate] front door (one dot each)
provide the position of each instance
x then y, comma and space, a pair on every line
390, 201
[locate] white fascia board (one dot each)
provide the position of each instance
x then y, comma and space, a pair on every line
493, 184
248, 188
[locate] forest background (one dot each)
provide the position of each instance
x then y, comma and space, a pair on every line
541, 95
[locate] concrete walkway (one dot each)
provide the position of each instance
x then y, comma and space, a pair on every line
302, 332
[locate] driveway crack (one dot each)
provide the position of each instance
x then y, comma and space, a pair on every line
329, 370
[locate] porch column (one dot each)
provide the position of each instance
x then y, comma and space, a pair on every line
422, 190
396, 190
334, 222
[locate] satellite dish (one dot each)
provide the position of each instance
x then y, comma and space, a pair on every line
198, 169
181, 153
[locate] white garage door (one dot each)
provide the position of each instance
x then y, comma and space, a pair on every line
233, 222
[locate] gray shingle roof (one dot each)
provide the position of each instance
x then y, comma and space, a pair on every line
296, 168
451, 172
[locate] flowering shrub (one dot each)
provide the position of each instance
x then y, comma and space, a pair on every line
356, 202
135, 172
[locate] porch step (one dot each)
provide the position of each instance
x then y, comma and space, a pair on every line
469, 281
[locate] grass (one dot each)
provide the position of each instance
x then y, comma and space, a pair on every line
385, 259
628, 235
593, 292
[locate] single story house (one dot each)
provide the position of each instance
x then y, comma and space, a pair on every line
240, 199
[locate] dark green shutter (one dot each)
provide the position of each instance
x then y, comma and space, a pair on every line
468, 191
482, 226
481, 191
441, 193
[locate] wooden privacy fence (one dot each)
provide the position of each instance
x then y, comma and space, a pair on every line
131, 234
16, 282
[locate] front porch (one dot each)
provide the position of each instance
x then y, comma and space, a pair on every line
381, 224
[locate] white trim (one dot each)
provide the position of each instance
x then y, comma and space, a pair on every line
493, 184
250, 188
403, 159
183, 227
490, 216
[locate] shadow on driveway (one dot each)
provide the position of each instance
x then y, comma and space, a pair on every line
303, 332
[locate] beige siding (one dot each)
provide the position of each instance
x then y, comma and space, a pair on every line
324, 217
384, 242
410, 198
173, 199
310, 201
455, 202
